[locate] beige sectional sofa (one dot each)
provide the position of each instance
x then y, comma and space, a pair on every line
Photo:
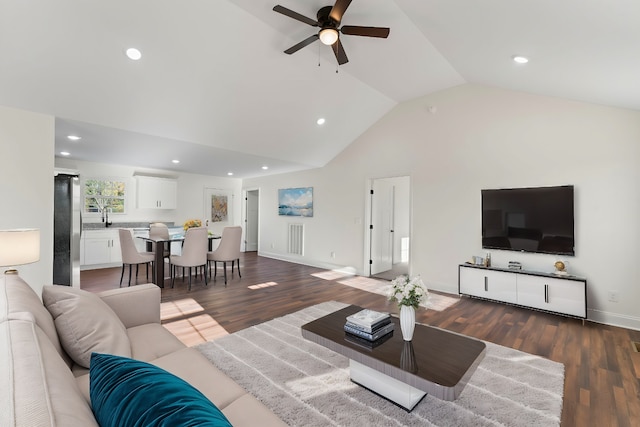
42, 384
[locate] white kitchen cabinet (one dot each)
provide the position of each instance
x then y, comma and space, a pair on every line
558, 294
157, 193
488, 284
101, 248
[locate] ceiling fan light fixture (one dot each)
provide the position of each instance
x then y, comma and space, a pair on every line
328, 36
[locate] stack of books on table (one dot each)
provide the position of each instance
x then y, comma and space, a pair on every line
368, 327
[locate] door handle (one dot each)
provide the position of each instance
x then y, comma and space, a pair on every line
546, 293
486, 284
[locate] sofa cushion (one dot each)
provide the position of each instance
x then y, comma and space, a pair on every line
37, 387
238, 406
135, 393
190, 365
148, 342
17, 296
85, 324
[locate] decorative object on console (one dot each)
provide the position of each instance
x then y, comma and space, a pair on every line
408, 293
560, 268
19, 247
515, 265
192, 223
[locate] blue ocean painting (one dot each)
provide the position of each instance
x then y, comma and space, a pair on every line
295, 201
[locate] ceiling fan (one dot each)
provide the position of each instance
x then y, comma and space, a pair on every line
328, 19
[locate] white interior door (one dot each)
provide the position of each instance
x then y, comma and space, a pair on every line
251, 221
382, 212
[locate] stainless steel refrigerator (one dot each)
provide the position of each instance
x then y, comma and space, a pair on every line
67, 226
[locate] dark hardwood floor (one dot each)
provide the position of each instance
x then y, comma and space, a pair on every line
602, 371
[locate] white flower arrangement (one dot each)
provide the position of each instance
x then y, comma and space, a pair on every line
408, 291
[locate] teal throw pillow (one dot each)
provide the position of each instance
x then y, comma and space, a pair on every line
127, 393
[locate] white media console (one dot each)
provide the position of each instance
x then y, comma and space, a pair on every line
565, 295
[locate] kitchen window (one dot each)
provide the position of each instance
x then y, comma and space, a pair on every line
104, 195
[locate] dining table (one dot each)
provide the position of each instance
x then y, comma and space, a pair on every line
160, 245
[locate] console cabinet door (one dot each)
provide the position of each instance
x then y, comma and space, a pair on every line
496, 285
548, 293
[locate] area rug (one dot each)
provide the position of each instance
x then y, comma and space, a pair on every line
435, 301
307, 385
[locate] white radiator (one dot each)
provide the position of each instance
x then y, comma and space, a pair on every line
296, 239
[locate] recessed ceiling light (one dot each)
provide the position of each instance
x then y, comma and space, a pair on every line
176, 161
320, 121
520, 59
134, 54
230, 173
264, 168
74, 137
65, 153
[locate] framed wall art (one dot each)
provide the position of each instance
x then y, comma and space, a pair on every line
218, 206
295, 201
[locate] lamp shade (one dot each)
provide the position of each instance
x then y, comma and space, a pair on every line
328, 36
20, 246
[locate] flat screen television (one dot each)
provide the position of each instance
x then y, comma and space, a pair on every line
529, 219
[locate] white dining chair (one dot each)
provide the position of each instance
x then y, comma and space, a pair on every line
159, 230
228, 251
194, 253
131, 256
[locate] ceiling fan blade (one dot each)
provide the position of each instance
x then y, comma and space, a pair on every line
295, 15
338, 10
303, 43
365, 31
338, 50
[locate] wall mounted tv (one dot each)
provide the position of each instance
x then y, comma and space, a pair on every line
529, 219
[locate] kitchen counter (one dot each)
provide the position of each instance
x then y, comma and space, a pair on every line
132, 225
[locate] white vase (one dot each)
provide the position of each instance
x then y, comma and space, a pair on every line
407, 321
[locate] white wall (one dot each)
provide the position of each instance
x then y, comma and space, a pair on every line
481, 137
26, 184
190, 193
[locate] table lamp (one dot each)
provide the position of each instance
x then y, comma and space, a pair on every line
19, 247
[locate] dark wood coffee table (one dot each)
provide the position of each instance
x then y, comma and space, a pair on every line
435, 362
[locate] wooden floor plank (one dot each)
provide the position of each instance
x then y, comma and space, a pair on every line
601, 371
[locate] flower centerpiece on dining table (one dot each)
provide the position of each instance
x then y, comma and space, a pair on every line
408, 293
191, 223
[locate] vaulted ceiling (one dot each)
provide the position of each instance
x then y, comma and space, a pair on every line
215, 90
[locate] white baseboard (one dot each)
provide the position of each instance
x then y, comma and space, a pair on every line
613, 319
297, 259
